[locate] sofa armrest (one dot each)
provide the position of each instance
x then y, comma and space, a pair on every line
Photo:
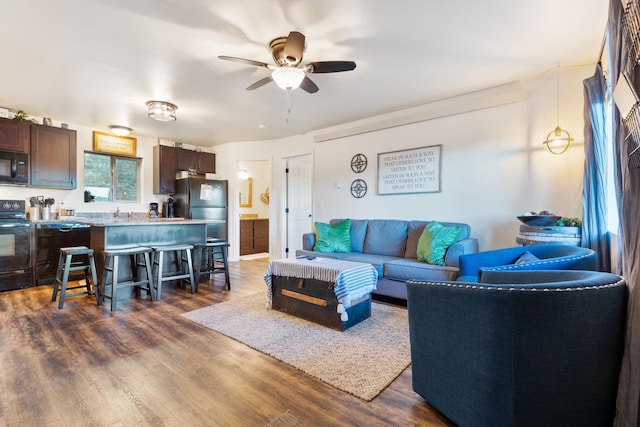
465, 246
308, 241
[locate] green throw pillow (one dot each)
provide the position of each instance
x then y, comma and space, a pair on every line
434, 242
333, 238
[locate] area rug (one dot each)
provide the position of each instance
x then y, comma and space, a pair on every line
285, 420
362, 361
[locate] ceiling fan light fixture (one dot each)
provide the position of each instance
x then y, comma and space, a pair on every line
120, 130
288, 78
162, 111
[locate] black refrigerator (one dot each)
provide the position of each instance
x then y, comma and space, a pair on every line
207, 199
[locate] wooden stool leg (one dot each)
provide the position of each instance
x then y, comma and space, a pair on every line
157, 265
58, 279
194, 288
94, 276
147, 267
226, 267
65, 279
105, 277
114, 286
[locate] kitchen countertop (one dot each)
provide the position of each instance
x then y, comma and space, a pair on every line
108, 222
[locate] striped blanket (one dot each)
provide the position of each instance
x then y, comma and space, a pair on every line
352, 280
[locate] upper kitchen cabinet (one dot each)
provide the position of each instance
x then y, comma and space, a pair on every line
53, 157
14, 135
165, 166
198, 160
168, 160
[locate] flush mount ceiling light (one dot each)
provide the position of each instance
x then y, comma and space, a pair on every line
288, 78
162, 111
120, 130
558, 140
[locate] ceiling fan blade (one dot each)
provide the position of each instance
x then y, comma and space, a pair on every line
260, 83
330, 66
294, 47
244, 61
308, 86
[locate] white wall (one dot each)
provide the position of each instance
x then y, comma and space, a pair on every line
494, 166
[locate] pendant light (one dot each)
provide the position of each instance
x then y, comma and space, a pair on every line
558, 140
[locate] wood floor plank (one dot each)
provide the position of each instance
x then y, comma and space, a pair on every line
145, 365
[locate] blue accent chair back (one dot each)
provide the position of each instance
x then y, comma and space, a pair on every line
550, 257
528, 348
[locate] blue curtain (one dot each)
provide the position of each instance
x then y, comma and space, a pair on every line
594, 202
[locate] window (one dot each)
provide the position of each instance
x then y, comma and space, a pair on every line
110, 178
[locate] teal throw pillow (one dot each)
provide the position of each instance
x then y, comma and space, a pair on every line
434, 242
333, 238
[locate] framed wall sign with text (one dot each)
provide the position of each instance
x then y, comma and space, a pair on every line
109, 143
410, 171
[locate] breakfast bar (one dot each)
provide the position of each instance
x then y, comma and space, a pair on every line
118, 233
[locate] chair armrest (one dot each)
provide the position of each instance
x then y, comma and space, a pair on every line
465, 246
470, 264
308, 241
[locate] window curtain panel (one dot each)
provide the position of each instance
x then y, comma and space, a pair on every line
594, 203
628, 197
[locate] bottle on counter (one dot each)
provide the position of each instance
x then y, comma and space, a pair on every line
61, 210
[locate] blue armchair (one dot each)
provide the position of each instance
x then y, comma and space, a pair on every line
550, 257
528, 348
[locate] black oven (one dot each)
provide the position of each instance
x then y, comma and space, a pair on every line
14, 168
15, 247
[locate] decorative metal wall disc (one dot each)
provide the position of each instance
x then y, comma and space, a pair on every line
358, 188
359, 163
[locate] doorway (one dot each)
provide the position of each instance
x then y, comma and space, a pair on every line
253, 196
298, 219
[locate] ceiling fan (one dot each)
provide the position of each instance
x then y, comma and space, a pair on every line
287, 55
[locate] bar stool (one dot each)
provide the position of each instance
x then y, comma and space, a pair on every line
208, 255
67, 265
183, 255
140, 262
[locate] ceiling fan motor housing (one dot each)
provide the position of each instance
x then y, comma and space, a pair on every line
277, 52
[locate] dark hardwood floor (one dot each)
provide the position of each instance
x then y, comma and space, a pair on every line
145, 365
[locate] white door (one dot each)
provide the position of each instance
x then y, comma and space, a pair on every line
298, 201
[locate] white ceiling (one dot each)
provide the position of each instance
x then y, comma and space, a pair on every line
96, 62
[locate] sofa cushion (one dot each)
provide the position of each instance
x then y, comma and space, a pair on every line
378, 261
358, 233
333, 238
407, 269
386, 237
434, 242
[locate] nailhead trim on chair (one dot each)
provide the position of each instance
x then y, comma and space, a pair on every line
522, 289
541, 262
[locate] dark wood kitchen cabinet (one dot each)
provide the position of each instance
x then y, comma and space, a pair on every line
254, 236
53, 157
168, 160
14, 135
201, 161
165, 166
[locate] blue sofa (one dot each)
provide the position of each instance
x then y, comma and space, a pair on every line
522, 348
390, 245
550, 257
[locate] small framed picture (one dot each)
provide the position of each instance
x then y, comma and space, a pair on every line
109, 143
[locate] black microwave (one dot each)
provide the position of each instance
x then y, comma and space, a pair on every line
14, 168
